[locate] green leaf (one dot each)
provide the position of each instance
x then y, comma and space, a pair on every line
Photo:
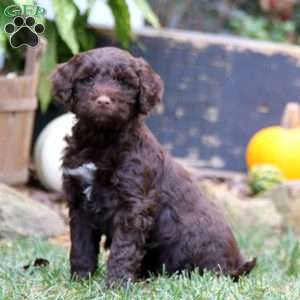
3, 21
3, 18
147, 12
50, 57
121, 15
47, 66
86, 38
44, 93
2, 42
65, 14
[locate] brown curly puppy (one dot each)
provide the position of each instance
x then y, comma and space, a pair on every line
121, 183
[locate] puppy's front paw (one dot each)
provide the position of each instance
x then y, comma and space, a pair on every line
116, 282
80, 275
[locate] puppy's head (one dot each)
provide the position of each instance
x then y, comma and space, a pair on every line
107, 86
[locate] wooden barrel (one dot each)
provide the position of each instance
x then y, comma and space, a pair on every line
18, 103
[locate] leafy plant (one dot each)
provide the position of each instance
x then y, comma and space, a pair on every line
67, 35
251, 20
264, 177
262, 28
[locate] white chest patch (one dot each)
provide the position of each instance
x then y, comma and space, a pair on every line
85, 174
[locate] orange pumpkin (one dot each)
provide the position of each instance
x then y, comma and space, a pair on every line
278, 145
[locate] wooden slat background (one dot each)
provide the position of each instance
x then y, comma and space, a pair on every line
218, 92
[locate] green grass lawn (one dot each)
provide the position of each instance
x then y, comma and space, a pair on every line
276, 277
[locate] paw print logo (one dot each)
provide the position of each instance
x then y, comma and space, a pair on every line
24, 31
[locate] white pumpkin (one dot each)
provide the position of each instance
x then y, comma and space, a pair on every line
48, 151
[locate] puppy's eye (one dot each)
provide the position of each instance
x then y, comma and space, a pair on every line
87, 79
126, 84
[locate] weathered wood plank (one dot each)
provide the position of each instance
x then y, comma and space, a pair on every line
218, 92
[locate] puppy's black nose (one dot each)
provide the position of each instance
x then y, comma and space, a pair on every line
103, 100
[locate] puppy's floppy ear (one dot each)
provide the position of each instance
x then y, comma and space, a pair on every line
63, 79
151, 86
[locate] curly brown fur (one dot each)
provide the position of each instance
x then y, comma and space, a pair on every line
121, 183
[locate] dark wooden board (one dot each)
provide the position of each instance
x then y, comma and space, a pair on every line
218, 92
